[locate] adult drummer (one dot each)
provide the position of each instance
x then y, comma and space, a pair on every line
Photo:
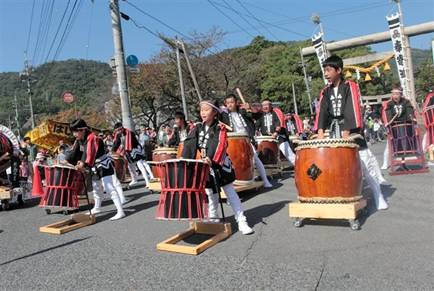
241, 121
340, 112
397, 110
93, 158
125, 142
181, 130
269, 124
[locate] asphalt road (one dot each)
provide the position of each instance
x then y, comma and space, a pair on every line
394, 250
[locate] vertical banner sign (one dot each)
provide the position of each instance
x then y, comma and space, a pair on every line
321, 50
396, 34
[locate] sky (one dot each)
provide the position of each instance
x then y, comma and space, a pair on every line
90, 35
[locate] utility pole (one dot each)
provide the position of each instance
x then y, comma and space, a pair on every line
294, 99
306, 82
181, 82
193, 76
121, 74
26, 77
411, 90
16, 113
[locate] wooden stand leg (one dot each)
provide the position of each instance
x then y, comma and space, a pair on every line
220, 231
76, 221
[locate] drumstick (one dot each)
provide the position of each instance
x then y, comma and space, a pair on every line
227, 126
240, 95
393, 118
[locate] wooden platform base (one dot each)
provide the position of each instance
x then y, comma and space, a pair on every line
219, 232
254, 185
349, 211
431, 153
155, 185
76, 221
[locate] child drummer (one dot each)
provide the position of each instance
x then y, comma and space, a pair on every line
241, 122
339, 110
209, 137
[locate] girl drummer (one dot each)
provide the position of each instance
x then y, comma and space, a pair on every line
209, 137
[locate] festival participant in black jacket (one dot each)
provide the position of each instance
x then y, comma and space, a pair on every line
395, 111
210, 138
92, 156
269, 124
241, 122
126, 143
181, 130
340, 112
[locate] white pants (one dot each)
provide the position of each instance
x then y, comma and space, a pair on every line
234, 201
117, 184
144, 168
425, 142
287, 152
260, 166
373, 166
105, 183
369, 179
386, 156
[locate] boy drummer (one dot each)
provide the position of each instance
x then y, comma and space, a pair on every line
210, 138
339, 110
241, 122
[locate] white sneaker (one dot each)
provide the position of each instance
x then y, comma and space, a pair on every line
382, 204
244, 227
214, 220
119, 215
384, 167
132, 183
268, 185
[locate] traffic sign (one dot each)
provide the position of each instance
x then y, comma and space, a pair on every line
132, 61
68, 97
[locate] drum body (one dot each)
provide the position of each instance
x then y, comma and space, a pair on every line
328, 170
120, 165
428, 117
162, 154
183, 190
404, 140
63, 185
268, 150
241, 154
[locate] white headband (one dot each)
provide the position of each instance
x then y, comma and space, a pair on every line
212, 105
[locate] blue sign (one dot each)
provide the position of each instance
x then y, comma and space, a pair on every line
132, 61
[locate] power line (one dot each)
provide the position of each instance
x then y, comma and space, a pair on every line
57, 31
46, 31
41, 23
158, 20
271, 24
230, 18
257, 20
30, 27
66, 30
241, 16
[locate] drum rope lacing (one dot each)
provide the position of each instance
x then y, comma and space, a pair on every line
329, 143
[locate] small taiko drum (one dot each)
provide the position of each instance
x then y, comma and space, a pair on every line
328, 170
268, 150
161, 154
63, 184
183, 189
404, 139
428, 117
120, 165
241, 154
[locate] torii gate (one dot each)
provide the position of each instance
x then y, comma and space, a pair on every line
423, 28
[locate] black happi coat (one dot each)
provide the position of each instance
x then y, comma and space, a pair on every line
276, 127
175, 139
126, 142
91, 151
213, 144
247, 120
403, 110
343, 109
